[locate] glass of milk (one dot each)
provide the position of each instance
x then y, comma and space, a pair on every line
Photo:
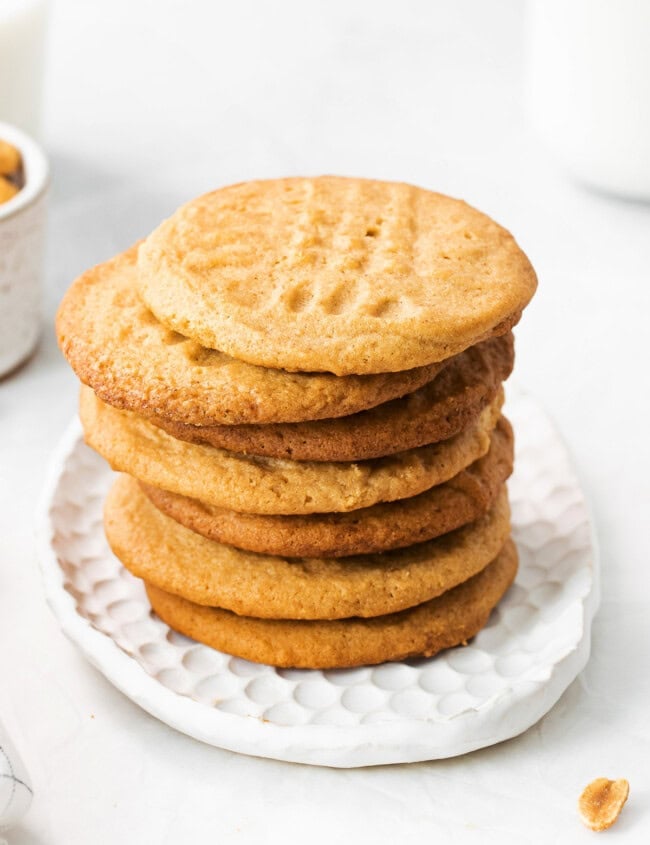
588, 89
22, 43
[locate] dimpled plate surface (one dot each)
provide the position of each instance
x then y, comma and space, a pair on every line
510, 675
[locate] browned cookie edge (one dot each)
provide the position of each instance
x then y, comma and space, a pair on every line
378, 528
432, 413
452, 618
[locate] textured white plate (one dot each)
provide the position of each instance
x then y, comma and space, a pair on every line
511, 674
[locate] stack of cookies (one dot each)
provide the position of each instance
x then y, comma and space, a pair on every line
300, 381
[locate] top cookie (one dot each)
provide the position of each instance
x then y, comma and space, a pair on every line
334, 274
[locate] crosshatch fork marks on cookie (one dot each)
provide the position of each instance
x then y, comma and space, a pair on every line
334, 274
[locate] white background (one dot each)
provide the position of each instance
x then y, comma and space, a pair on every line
150, 103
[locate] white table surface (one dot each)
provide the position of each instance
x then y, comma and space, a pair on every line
150, 103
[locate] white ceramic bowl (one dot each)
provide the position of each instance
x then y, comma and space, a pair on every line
22, 243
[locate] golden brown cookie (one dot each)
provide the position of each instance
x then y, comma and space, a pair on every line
117, 347
422, 631
156, 548
336, 274
250, 484
435, 412
462, 499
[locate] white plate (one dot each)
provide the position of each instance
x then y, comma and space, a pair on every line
511, 674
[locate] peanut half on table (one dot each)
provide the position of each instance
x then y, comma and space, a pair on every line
602, 801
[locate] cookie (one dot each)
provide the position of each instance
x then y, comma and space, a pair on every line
336, 274
435, 412
422, 631
462, 499
273, 485
159, 550
116, 346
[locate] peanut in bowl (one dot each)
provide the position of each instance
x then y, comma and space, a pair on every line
12, 175
24, 182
